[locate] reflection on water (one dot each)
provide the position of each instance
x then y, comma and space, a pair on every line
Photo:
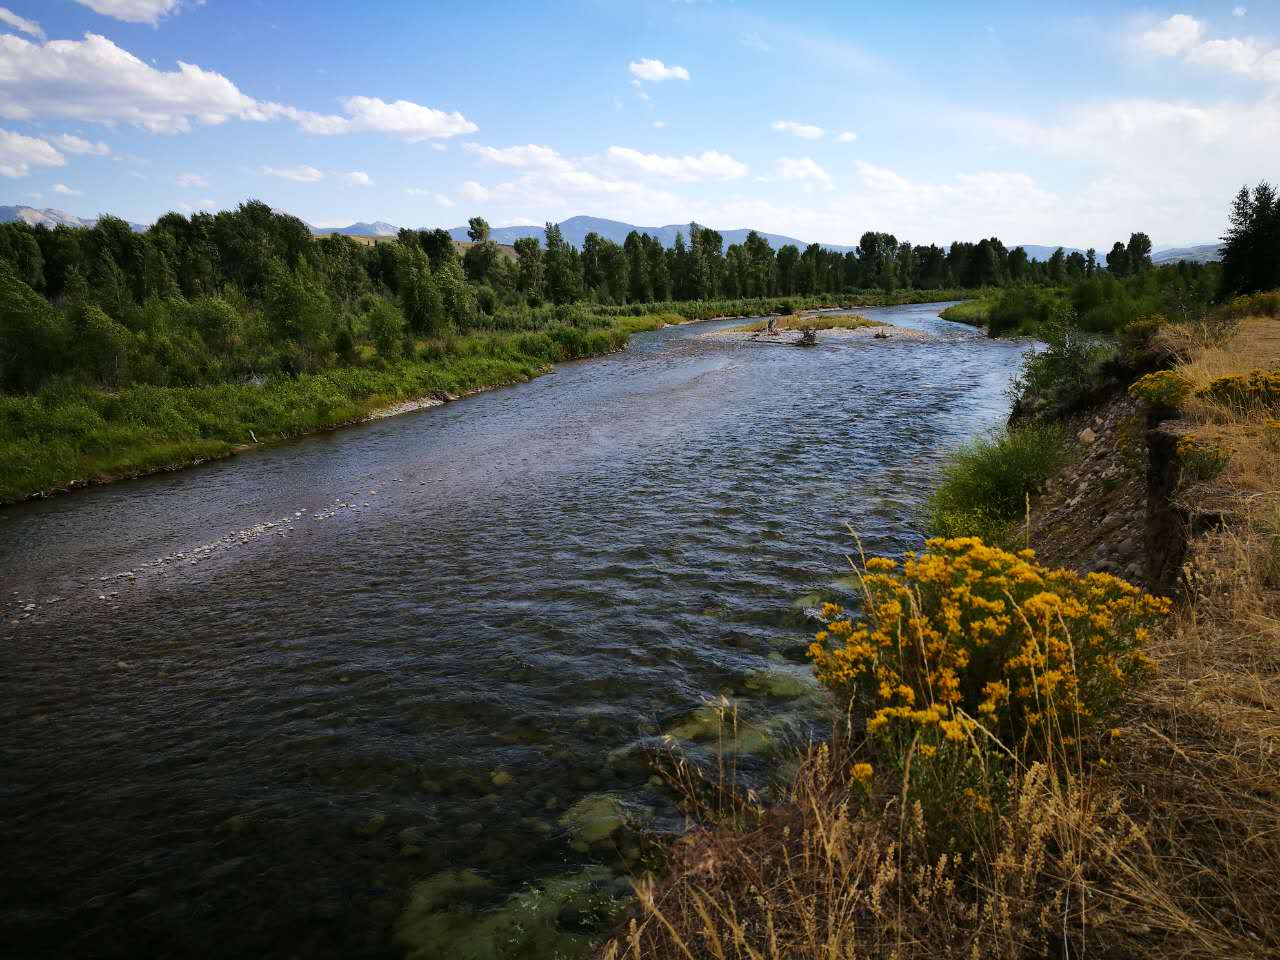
466, 621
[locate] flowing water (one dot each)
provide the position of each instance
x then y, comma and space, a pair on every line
453, 622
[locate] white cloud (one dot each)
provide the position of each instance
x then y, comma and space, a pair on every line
519, 222
1172, 37
20, 23
132, 11
804, 170
439, 147
1182, 36
19, 153
1203, 152
80, 146
755, 41
655, 71
805, 131
93, 79
708, 165
298, 174
659, 124
1239, 11
846, 136
474, 191
444, 201
192, 180
359, 178
403, 118
547, 180
66, 191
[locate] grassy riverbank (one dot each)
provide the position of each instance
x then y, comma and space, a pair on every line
72, 435
1054, 763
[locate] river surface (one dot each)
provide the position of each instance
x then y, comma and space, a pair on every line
458, 622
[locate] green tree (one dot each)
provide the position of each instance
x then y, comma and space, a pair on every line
34, 338
563, 268
529, 268
1138, 253
1118, 260
386, 327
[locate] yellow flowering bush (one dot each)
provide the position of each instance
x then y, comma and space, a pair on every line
1244, 391
1271, 434
965, 655
1164, 389
1201, 459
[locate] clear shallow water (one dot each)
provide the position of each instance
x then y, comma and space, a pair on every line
525, 580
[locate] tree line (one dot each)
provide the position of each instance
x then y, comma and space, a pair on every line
250, 292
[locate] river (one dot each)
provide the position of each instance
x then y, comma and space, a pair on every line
457, 621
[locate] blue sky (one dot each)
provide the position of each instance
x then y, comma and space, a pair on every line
816, 119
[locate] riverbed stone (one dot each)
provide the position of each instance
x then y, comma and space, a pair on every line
780, 683
434, 925
370, 826
594, 818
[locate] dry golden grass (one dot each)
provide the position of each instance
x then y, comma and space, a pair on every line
1200, 765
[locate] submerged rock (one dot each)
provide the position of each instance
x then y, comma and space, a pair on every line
560, 917
370, 827
594, 818
780, 683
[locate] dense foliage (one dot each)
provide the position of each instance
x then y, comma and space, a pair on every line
1251, 248
246, 294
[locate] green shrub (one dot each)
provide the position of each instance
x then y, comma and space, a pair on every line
985, 484
1061, 377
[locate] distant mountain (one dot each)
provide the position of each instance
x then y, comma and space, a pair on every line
51, 218
378, 228
1038, 251
1200, 253
575, 230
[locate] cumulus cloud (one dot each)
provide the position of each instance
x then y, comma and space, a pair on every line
20, 23
804, 170
847, 136
80, 146
659, 124
403, 118
19, 153
805, 131
545, 179
1183, 36
298, 174
66, 191
192, 180
710, 164
132, 11
655, 71
474, 191
1172, 37
93, 79
359, 178
1203, 151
